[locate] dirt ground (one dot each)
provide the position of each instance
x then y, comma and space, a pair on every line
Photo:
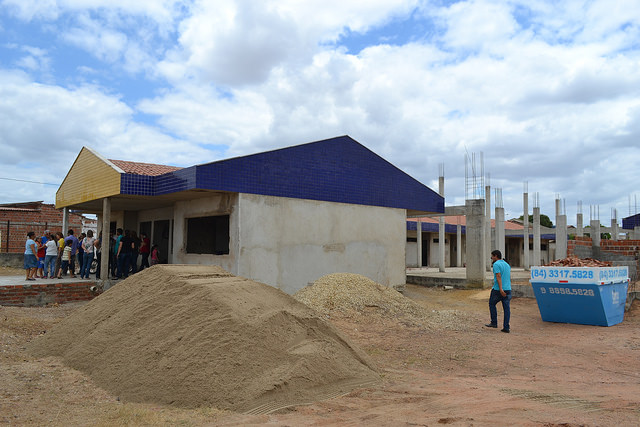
541, 374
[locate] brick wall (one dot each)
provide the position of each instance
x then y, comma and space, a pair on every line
621, 252
37, 217
45, 293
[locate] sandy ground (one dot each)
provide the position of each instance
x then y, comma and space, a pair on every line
541, 374
10, 271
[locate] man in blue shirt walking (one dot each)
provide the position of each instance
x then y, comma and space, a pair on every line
501, 291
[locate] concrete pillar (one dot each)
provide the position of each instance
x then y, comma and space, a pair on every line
419, 241
561, 237
635, 235
487, 229
614, 230
459, 245
441, 237
475, 243
500, 243
536, 237
561, 233
595, 232
525, 234
579, 228
65, 221
104, 258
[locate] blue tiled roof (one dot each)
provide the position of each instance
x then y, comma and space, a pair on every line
432, 227
335, 170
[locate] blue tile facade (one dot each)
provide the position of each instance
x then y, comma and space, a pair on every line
137, 185
334, 170
430, 227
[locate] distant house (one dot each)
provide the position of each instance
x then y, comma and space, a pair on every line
284, 217
17, 219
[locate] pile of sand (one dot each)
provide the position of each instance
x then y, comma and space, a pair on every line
196, 336
353, 294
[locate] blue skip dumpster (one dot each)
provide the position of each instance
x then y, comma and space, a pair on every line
582, 295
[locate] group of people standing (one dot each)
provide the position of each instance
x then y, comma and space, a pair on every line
125, 248
53, 256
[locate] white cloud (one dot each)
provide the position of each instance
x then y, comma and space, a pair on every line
32, 9
160, 11
44, 126
478, 23
240, 42
546, 90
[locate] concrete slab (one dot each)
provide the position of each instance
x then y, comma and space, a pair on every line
21, 280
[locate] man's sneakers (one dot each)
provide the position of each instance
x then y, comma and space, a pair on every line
491, 325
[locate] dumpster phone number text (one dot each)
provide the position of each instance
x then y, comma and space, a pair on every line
563, 274
569, 291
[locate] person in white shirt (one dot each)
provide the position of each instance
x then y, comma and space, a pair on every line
88, 248
50, 257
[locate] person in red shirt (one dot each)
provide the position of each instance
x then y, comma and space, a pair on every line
145, 249
42, 252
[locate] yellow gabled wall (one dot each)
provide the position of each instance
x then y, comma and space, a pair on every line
91, 177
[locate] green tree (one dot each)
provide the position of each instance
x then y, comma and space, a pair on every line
544, 220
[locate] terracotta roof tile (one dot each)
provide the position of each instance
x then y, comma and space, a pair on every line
149, 169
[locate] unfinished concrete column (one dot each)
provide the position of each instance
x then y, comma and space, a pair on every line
525, 230
561, 232
536, 237
441, 238
595, 232
614, 229
561, 237
635, 234
500, 243
475, 243
65, 221
459, 245
104, 243
579, 227
419, 241
487, 227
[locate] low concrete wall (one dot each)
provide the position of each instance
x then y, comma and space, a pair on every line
432, 282
518, 290
12, 260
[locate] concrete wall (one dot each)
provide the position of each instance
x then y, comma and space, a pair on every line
289, 243
411, 254
434, 249
411, 250
220, 204
12, 260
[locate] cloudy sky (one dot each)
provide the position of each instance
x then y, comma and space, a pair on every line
547, 93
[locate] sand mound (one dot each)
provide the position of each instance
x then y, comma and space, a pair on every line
195, 336
350, 294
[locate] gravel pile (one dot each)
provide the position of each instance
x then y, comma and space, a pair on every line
355, 295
